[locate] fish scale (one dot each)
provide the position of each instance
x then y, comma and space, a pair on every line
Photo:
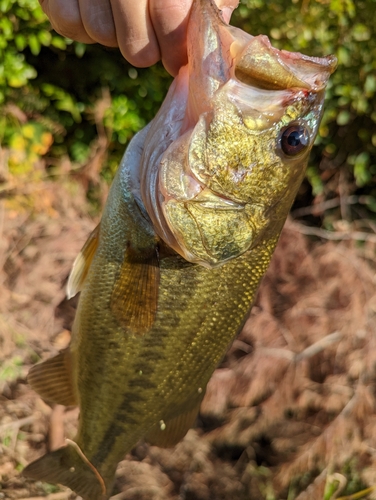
179, 356
191, 222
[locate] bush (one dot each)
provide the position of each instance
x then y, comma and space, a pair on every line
59, 96
344, 161
52, 90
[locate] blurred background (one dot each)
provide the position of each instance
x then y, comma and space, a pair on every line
290, 411
64, 103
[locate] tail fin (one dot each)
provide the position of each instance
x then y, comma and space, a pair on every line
68, 466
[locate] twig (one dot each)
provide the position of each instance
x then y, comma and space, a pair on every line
337, 235
359, 494
2, 220
277, 352
136, 491
319, 346
342, 187
62, 495
310, 351
16, 424
13, 454
7, 189
328, 204
242, 346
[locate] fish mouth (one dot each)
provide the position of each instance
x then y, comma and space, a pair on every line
258, 63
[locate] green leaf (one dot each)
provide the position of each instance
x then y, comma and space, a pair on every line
58, 42
370, 84
45, 37
5, 5
343, 117
64, 101
79, 49
361, 33
80, 151
6, 27
20, 41
34, 44
343, 56
11, 369
315, 180
17, 72
361, 172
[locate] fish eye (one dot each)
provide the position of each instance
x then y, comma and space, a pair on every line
294, 139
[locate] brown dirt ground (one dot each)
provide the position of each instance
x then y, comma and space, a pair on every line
289, 413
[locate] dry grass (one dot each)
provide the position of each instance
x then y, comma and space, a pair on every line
292, 405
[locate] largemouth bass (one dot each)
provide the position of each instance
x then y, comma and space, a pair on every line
191, 222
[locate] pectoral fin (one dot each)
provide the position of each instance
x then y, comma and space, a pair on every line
82, 264
167, 434
134, 298
52, 379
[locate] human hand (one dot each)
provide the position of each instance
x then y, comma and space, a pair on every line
144, 30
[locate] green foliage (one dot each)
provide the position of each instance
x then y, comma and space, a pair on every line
22, 25
123, 119
27, 145
348, 484
347, 138
11, 369
51, 89
57, 88
24, 31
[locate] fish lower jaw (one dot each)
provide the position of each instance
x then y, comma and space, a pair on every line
211, 231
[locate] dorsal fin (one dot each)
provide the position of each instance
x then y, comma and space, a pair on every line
52, 379
134, 299
82, 263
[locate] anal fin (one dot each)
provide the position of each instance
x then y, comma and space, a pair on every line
52, 379
68, 467
167, 434
82, 264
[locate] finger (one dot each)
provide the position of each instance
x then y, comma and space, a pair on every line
134, 32
227, 7
65, 18
170, 20
98, 21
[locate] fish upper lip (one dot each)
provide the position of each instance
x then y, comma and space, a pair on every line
256, 59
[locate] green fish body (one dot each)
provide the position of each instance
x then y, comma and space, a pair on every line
189, 228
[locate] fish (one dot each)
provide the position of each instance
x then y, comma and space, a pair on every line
167, 278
